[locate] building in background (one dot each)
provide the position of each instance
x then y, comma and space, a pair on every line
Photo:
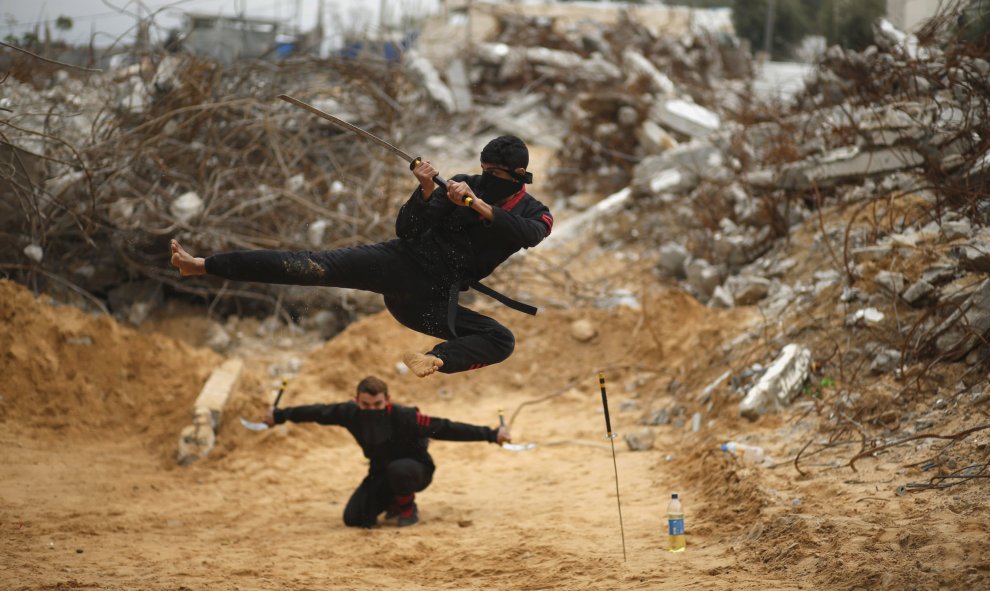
909, 15
229, 38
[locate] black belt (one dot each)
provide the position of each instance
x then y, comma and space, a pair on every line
480, 287
514, 304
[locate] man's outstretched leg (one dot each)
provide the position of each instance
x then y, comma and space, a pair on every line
187, 264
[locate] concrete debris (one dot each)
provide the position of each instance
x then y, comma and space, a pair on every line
640, 66
747, 290
967, 326
884, 360
918, 292
460, 88
672, 259
865, 317
34, 252
780, 384
893, 282
196, 440
424, 72
686, 117
721, 298
187, 206
702, 277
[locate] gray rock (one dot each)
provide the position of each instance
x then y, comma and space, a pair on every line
218, 339
659, 417
641, 440
891, 281
747, 290
884, 360
629, 406
966, 327
918, 292
702, 276
957, 229
721, 298
672, 259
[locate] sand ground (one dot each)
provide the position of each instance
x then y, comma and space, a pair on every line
92, 497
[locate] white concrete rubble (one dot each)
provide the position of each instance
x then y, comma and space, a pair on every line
780, 384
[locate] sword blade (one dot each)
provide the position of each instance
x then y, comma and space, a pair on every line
252, 425
348, 126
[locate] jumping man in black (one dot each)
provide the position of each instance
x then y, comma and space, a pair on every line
394, 438
449, 238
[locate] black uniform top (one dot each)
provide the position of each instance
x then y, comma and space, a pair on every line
469, 245
404, 433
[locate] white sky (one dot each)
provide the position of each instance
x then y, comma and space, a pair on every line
110, 19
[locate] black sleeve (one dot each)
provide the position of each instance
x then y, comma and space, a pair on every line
523, 231
324, 414
419, 215
447, 430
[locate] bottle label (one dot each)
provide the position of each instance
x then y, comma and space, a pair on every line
676, 526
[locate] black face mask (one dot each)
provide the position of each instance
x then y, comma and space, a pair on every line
497, 189
375, 426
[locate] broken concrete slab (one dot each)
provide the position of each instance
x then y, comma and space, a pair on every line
460, 88
847, 163
639, 65
571, 228
685, 117
196, 440
780, 384
423, 71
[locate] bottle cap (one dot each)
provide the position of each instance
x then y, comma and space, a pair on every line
673, 495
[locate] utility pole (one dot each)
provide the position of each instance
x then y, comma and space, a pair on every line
768, 31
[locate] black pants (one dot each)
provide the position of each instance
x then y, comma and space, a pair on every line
401, 478
414, 298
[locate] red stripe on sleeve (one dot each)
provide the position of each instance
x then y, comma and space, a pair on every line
548, 220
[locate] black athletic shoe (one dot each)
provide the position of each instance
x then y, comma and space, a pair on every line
409, 515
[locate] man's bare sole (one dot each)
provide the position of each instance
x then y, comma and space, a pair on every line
186, 263
422, 364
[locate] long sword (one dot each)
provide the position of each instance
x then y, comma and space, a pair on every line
611, 439
413, 162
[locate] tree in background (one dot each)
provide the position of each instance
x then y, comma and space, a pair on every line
793, 20
849, 23
843, 22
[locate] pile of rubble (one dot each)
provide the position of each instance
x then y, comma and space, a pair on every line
885, 154
103, 168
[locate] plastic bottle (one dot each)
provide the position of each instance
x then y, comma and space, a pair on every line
675, 524
748, 452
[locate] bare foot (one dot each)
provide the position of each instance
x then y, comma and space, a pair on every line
422, 364
185, 262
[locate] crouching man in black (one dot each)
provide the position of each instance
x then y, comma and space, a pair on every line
394, 438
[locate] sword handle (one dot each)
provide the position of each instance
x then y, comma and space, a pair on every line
439, 180
501, 417
608, 421
280, 391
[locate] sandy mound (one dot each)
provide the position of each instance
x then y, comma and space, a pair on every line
73, 375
